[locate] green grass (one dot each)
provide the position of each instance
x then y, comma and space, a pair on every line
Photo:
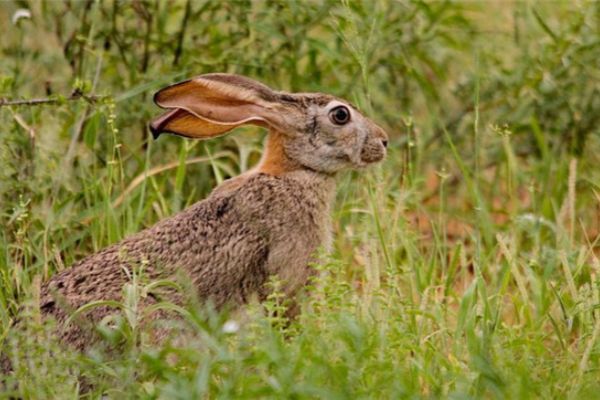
465, 266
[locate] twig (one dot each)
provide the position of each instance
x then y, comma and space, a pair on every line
51, 100
141, 9
179, 48
81, 123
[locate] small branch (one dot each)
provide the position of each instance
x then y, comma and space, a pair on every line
81, 123
76, 95
179, 48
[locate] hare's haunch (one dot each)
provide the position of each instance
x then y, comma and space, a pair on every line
268, 221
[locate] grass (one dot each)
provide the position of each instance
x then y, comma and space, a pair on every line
465, 266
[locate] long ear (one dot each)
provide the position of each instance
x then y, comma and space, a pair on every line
213, 104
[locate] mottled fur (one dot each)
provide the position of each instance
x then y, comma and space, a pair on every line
269, 221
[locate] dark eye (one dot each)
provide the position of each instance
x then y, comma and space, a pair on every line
340, 115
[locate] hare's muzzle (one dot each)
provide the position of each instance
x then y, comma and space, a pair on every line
374, 148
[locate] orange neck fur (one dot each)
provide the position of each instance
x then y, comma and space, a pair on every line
275, 161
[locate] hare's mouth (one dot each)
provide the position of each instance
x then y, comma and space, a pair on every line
372, 153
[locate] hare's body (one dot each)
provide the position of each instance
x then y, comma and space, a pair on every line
269, 221
250, 228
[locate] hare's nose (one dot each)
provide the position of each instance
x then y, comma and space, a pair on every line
384, 142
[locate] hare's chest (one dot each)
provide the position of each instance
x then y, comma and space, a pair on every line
293, 215
298, 238
307, 222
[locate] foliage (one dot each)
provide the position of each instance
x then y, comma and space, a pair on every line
465, 266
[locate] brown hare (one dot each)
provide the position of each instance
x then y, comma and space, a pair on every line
268, 221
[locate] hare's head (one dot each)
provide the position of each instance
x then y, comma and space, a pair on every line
311, 130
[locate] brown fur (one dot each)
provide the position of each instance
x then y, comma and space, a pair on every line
269, 221
227, 245
274, 161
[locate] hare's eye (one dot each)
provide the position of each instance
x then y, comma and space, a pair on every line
340, 115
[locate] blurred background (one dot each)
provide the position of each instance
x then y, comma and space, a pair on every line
493, 110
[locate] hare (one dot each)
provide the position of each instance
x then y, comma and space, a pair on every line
268, 221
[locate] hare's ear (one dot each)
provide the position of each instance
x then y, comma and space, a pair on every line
211, 105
